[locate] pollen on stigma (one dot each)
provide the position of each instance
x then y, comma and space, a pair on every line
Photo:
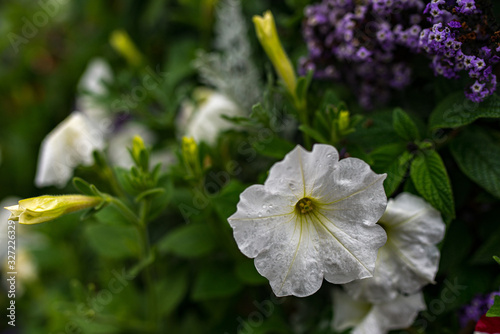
304, 205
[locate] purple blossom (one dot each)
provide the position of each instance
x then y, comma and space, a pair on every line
459, 40
368, 43
477, 308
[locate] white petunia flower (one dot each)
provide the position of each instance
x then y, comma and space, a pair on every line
91, 87
70, 144
409, 260
368, 318
314, 217
205, 122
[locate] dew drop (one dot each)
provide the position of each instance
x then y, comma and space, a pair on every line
328, 155
264, 206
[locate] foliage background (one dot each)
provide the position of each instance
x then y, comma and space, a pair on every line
206, 285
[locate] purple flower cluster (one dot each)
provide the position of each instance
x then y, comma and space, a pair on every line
365, 43
462, 40
477, 308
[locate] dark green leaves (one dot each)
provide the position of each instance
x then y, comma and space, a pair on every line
215, 282
404, 126
392, 159
430, 178
192, 240
113, 241
478, 156
456, 110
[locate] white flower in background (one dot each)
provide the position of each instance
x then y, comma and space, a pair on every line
70, 144
205, 122
92, 87
314, 217
367, 318
409, 260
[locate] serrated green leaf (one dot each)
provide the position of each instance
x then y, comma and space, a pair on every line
430, 178
392, 159
215, 282
190, 241
494, 311
113, 241
396, 172
375, 131
478, 156
456, 110
404, 125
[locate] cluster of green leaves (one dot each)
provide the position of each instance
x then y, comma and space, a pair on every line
100, 275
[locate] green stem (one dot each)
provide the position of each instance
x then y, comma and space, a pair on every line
304, 119
129, 214
145, 253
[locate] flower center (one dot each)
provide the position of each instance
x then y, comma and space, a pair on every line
305, 205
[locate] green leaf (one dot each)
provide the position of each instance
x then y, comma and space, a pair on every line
172, 289
494, 311
149, 193
496, 258
303, 85
392, 159
83, 186
275, 147
113, 241
246, 272
478, 156
215, 282
111, 215
396, 172
190, 241
456, 110
375, 131
314, 134
226, 201
430, 178
404, 126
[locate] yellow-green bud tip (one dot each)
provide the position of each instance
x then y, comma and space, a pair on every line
40, 209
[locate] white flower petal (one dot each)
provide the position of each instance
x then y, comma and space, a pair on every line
294, 249
409, 260
92, 84
398, 313
70, 144
206, 123
301, 171
347, 312
258, 213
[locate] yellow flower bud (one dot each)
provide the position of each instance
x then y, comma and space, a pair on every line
344, 120
40, 209
269, 39
190, 155
124, 45
137, 147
